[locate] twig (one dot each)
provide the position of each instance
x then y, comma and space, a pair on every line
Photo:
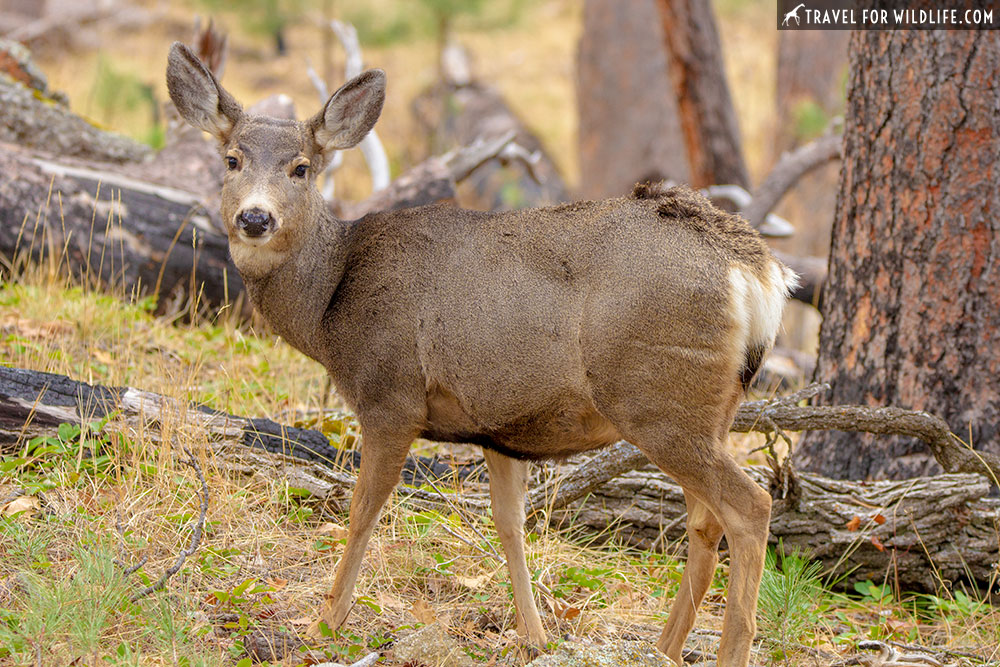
448, 501
195, 534
12, 496
693, 656
953, 455
937, 650
790, 168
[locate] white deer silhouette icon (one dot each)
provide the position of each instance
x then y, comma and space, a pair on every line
794, 14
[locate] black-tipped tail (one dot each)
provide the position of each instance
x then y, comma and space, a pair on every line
752, 358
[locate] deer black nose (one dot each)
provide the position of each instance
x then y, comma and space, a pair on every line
255, 221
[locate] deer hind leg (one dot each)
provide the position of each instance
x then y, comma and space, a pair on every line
381, 462
507, 486
743, 509
704, 535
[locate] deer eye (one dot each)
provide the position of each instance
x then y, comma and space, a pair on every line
232, 163
300, 170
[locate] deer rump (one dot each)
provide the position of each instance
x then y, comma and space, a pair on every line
537, 332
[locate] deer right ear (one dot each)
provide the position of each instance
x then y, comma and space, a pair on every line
350, 113
198, 97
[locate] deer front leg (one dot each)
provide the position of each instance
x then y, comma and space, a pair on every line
381, 462
507, 486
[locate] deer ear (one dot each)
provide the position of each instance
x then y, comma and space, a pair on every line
197, 95
350, 113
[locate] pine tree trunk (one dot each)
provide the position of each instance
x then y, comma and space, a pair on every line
911, 313
707, 117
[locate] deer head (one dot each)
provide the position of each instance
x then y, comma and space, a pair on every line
270, 204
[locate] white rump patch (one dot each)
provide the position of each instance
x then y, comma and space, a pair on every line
757, 304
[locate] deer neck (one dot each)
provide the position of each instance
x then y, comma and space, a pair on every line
294, 296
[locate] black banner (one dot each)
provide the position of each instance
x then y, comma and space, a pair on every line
888, 15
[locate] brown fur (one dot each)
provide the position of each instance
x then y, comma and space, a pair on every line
536, 333
729, 232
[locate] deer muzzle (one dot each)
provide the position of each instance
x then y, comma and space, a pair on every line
255, 222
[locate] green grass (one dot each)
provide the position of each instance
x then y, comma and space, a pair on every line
792, 603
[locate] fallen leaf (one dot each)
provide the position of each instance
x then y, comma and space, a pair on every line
879, 519
569, 613
854, 523
473, 582
878, 545
564, 611
277, 584
102, 356
387, 600
334, 530
423, 612
20, 504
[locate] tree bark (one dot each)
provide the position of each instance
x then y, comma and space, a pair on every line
707, 118
912, 305
629, 128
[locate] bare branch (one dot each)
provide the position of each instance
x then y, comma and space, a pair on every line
196, 534
371, 146
461, 162
773, 225
790, 168
317, 81
783, 413
348, 36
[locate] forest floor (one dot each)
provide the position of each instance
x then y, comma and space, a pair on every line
269, 549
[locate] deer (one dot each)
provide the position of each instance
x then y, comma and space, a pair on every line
536, 334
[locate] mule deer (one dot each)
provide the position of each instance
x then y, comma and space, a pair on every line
534, 333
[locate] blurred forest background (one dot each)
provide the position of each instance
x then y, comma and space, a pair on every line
589, 80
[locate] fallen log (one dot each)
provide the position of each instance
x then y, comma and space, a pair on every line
916, 532
37, 117
919, 533
112, 230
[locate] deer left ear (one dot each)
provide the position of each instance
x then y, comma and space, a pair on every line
350, 113
199, 98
